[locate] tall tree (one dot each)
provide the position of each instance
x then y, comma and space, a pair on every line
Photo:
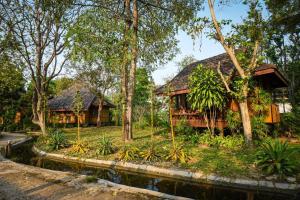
95, 52
39, 29
158, 22
242, 46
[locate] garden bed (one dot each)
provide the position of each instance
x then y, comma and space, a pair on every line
233, 162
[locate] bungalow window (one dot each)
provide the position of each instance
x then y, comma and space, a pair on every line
181, 102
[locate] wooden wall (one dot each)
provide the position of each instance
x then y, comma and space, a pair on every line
88, 117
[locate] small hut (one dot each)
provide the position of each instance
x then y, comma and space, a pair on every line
60, 107
267, 76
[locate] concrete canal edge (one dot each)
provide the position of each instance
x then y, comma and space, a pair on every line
196, 177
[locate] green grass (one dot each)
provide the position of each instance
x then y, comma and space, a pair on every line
222, 161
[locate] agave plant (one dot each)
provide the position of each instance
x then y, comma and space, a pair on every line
177, 154
128, 153
150, 154
105, 147
275, 158
57, 139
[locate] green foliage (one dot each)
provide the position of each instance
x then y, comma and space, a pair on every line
57, 139
177, 154
234, 122
290, 122
105, 146
61, 84
230, 142
259, 127
206, 90
127, 153
275, 158
193, 138
183, 128
77, 104
150, 153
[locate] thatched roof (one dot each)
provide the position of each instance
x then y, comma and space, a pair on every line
64, 101
180, 81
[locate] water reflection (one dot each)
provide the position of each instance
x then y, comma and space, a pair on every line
169, 186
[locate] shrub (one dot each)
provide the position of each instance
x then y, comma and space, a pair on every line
182, 127
290, 122
192, 138
128, 153
230, 142
105, 146
57, 139
150, 154
177, 154
275, 158
80, 146
259, 127
234, 121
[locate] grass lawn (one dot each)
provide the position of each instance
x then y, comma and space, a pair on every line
228, 162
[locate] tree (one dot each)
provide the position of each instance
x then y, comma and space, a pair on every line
207, 94
95, 56
185, 62
61, 84
39, 28
143, 18
242, 46
141, 100
77, 107
12, 88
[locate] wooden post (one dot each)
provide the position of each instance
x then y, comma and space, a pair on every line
8, 149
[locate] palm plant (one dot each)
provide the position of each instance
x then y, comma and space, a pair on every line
105, 146
275, 158
150, 154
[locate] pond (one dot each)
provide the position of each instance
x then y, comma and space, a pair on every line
23, 154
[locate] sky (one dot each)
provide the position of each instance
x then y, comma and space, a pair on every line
235, 12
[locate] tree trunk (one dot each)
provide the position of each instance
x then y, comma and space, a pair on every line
124, 73
131, 80
78, 127
38, 109
246, 121
100, 106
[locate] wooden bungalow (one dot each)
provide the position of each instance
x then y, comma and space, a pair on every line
266, 75
60, 107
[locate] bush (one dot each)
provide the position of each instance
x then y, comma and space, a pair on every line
234, 121
150, 154
192, 138
183, 128
105, 146
128, 153
57, 139
275, 158
290, 122
259, 127
177, 154
79, 146
230, 142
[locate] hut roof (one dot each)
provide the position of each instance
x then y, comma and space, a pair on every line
64, 101
180, 81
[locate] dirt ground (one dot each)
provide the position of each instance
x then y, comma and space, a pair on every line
20, 182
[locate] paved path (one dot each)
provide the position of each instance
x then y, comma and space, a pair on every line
23, 182
13, 137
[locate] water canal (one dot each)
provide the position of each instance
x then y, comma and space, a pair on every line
23, 154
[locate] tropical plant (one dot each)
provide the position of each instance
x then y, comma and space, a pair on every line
182, 127
127, 153
234, 122
57, 139
207, 94
275, 158
79, 146
105, 146
150, 153
192, 138
177, 154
